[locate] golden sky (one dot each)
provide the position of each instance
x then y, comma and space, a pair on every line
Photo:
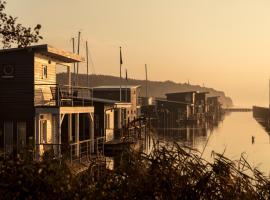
224, 44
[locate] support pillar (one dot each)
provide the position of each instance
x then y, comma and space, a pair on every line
92, 132
59, 134
70, 128
77, 134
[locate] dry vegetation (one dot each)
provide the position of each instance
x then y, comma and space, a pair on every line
176, 173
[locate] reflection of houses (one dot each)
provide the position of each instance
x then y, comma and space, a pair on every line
35, 110
190, 135
130, 94
110, 117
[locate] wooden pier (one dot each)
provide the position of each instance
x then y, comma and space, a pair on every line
238, 109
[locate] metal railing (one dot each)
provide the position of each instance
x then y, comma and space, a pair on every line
62, 95
82, 151
87, 149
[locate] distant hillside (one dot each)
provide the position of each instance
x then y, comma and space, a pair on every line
156, 88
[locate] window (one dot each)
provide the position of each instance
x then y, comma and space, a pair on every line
43, 131
107, 121
44, 72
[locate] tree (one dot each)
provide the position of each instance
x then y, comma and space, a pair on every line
13, 33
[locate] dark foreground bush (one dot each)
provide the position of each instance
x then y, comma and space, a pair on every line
175, 173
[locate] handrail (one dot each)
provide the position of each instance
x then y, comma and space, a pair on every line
79, 151
54, 94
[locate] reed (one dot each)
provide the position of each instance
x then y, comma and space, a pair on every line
167, 173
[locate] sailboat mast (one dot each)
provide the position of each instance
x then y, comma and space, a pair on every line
87, 63
74, 65
146, 82
78, 52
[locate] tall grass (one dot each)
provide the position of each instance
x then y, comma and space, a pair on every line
167, 173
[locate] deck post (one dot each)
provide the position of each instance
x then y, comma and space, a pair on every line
92, 132
70, 127
59, 134
77, 134
37, 135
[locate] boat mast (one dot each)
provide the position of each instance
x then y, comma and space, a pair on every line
146, 82
78, 52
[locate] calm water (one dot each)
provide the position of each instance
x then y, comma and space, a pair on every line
233, 136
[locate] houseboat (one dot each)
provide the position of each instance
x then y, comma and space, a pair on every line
130, 94
38, 113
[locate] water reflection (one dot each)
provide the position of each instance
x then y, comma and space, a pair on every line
232, 135
188, 135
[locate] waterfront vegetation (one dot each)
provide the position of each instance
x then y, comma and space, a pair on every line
167, 173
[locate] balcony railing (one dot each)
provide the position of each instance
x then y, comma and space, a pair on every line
80, 152
62, 95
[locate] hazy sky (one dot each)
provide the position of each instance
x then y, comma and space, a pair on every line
223, 44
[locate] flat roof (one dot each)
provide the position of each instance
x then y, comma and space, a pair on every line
212, 97
48, 50
182, 92
178, 102
115, 87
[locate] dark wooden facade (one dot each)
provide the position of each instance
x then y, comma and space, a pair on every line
17, 94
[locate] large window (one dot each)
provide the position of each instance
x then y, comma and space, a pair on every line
107, 121
44, 72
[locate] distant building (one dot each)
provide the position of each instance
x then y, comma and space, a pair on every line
172, 112
201, 103
213, 105
185, 97
130, 94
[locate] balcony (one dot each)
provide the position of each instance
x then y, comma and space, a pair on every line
56, 95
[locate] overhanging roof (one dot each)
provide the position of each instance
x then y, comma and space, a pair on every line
47, 50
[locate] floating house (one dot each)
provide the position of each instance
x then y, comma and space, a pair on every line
200, 104
171, 113
36, 111
213, 107
185, 97
129, 94
110, 117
